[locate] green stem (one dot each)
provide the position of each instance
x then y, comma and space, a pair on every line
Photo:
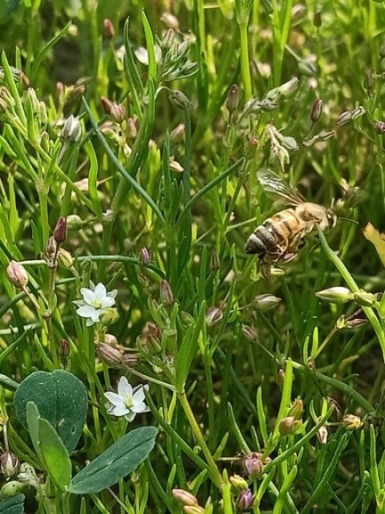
245, 64
214, 471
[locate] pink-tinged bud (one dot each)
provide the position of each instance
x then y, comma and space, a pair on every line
132, 128
108, 27
253, 464
170, 21
337, 294
17, 274
117, 112
111, 356
64, 348
316, 110
344, 118
144, 256
233, 97
266, 302
379, 127
166, 295
238, 483
245, 500
9, 464
106, 104
184, 497
150, 339
60, 231
287, 425
178, 134
51, 249
250, 333
296, 409
213, 315
322, 434
352, 422
72, 130
175, 165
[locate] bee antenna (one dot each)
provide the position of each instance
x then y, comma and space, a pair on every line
348, 219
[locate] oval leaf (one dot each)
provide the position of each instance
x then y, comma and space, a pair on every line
116, 462
14, 505
61, 399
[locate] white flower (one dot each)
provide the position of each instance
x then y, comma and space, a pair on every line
95, 301
142, 55
128, 402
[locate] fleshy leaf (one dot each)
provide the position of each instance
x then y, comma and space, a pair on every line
13, 505
116, 462
61, 399
377, 239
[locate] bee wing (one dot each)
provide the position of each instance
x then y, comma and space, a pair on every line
276, 187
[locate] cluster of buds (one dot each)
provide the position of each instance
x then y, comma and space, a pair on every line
150, 340
188, 500
348, 116
115, 356
245, 499
174, 63
292, 423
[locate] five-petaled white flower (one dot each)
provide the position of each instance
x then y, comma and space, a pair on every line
128, 402
95, 301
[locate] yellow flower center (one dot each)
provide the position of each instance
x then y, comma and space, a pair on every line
128, 402
96, 303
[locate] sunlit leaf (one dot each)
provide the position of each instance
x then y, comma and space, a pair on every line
377, 239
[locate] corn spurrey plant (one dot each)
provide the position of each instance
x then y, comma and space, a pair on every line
146, 365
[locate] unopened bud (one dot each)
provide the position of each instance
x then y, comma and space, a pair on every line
17, 274
27, 475
109, 31
117, 112
64, 348
11, 489
132, 129
175, 165
351, 422
179, 99
365, 299
215, 264
106, 104
72, 130
358, 112
266, 302
245, 500
184, 497
109, 316
253, 464
284, 91
51, 248
379, 127
250, 333
238, 483
170, 20
213, 316
166, 295
344, 118
193, 509
322, 434
296, 409
336, 294
74, 222
144, 256
233, 97
178, 134
111, 356
60, 231
65, 259
316, 110
9, 464
308, 68
289, 425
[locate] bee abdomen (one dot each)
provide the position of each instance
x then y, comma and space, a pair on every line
261, 241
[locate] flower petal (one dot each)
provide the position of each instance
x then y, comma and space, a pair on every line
138, 395
86, 311
106, 302
100, 291
124, 388
130, 416
114, 398
88, 295
140, 407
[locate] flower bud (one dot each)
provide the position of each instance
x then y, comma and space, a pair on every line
322, 434
64, 348
178, 134
51, 248
65, 259
351, 422
179, 99
108, 27
266, 302
193, 509
9, 464
253, 464
233, 97
379, 127
336, 294
184, 497
214, 315
289, 425
117, 112
60, 231
365, 299
11, 489
109, 316
17, 274
358, 112
111, 356
316, 110
215, 264
238, 482
175, 165
166, 295
296, 409
245, 500
106, 104
308, 68
368, 80
170, 20
344, 118
132, 129
250, 333
72, 130
288, 88
74, 222
144, 256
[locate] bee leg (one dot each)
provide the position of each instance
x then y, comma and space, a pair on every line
265, 268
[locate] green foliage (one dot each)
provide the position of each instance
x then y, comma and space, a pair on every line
13, 505
60, 398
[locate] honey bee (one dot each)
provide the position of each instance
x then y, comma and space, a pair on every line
279, 238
